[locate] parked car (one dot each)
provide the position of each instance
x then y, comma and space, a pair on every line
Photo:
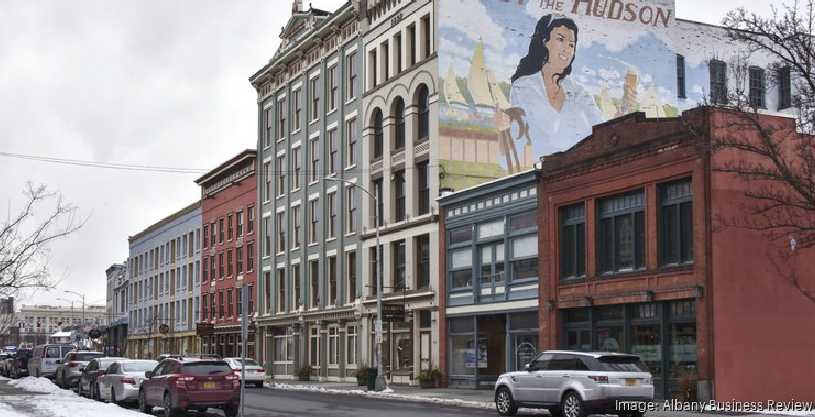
87, 380
255, 374
68, 371
19, 368
205, 356
178, 385
46, 358
122, 380
167, 355
576, 384
5, 364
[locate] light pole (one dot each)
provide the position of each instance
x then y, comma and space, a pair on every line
381, 382
72, 311
82, 296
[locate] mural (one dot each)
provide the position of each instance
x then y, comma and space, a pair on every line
522, 79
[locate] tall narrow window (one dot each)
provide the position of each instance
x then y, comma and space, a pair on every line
718, 82
757, 91
230, 228
314, 276
267, 293
411, 39
267, 186
351, 137
399, 195
335, 87
333, 151
315, 159
250, 257
332, 215
428, 41
351, 203
281, 232
372, 81
220, 231
424, 187
423, 261
376, 274
621, 236
281, 175
269, 127
573, 242
315, 98
281, 290
332, 280
379, 134
384, 63
220, 265
380, 210
295, 162
424, 114
295, 219
295, 278
315, 222
250, 219
229, 262
211, 272
281, 119
267, 236
680, 76
229, 299
399, 272
239, 261
205, 243
297, 110
239, 221
351, 68
221, 305
784, 87
352, 276
676, 223
397, 53
205, 276
399, 137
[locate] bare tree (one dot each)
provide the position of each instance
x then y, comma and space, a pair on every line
774, 158
26, 238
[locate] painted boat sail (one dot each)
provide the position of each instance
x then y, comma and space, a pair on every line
451, 91
498, 96
477, 81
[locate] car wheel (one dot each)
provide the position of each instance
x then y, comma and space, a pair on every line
504, 403
79, 388
231, 410
97, 394
143, 407
169, 411
572, 405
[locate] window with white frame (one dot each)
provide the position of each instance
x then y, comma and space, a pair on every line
333, 345
351, 204
281, 232
351, 69
351, 345
315, 159
281, 175
333, 151
295, 220
351, 139
315, 98
281, 119
267, 189
297, 110
332, 215
334, 88
295, 162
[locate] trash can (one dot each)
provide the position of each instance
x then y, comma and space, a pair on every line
371, 378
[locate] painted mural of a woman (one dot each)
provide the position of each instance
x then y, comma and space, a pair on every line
558, 110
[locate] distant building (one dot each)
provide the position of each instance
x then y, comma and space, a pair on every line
40, 321
117, 309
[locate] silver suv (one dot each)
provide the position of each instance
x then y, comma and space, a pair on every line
576, 384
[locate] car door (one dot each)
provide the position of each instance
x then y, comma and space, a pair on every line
527, 385
85, 379
149, 384
104, 380
557, 376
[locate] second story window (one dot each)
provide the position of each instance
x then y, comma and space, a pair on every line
784, 87
572, 242
281, 175
399, 195
676, 223
399, 140
621, 235
718, 82
379, 134
351, 68
315, 222
757, 98
315, 98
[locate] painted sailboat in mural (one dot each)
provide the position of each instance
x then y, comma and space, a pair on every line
483, 86
452, 93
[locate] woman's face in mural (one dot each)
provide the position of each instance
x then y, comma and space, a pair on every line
561, 46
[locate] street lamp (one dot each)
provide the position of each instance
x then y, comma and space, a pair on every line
71, 324
82, 296
381, 382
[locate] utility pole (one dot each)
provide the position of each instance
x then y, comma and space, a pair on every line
244, 334
83, 310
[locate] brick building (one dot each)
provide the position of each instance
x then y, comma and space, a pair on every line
228, 200
633, 260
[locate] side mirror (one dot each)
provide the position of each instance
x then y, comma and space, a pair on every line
148, 374
59, 361
526, 367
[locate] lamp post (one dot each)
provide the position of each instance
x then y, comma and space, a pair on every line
381, 382
72, 311
82, 296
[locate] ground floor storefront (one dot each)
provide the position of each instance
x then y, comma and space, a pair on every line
227, 342
663, 334
144, 347
481, 347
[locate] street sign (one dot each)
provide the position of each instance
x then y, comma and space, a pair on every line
94, 334
378, 337
163, 328
393, 312
378, 326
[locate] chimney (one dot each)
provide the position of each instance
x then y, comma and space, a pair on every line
296, 6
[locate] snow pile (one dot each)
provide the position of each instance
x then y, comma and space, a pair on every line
388, 393
77, 406
34, 384
7, 411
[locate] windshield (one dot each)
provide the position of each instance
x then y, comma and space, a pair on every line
138, 366
103, 364
86, 356
52, 352
622, 364
249, 362
206, 368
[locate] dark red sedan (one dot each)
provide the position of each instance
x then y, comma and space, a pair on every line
178, 385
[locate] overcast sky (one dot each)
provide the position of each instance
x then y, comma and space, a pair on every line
144, 82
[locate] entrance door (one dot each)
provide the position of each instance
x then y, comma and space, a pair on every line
424, 351
525, 350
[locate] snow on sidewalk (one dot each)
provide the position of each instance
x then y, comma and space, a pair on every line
58, 402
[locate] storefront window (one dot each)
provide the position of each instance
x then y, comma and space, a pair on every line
461, 275
610, 338
402, 351
645, 342
526, 349
462, 355
525, 257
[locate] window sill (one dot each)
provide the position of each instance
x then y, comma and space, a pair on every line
311, 245
332, 111
294, 190
314, 182
350, 234
294, 132
331, 239
280, 139
349, 167
313, 121
351, 100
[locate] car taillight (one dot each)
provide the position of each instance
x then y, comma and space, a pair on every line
182, 380
599, 378
74, 364
261, 370
128, 381
236, 383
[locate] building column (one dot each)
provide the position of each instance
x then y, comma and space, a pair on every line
323, 373
341, 348
297, 331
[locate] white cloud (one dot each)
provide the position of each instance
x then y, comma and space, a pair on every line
471, 18
608, 74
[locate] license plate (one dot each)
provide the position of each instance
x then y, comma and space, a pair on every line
631, 382
210, 385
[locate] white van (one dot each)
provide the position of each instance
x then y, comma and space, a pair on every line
46, 358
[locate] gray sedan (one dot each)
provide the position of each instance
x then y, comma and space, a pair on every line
122, 379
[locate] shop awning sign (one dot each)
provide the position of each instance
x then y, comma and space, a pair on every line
393, 312
205, 329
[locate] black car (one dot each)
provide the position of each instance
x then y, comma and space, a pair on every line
19, 368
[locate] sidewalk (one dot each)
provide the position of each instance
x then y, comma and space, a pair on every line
452, 396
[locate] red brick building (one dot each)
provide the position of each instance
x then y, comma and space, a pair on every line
228, 201
633, 259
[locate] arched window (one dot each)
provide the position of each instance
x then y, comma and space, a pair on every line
424, 113
399, 138
378, 134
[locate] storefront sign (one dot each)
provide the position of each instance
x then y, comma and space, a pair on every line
205, 329
480, 352
393, 312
